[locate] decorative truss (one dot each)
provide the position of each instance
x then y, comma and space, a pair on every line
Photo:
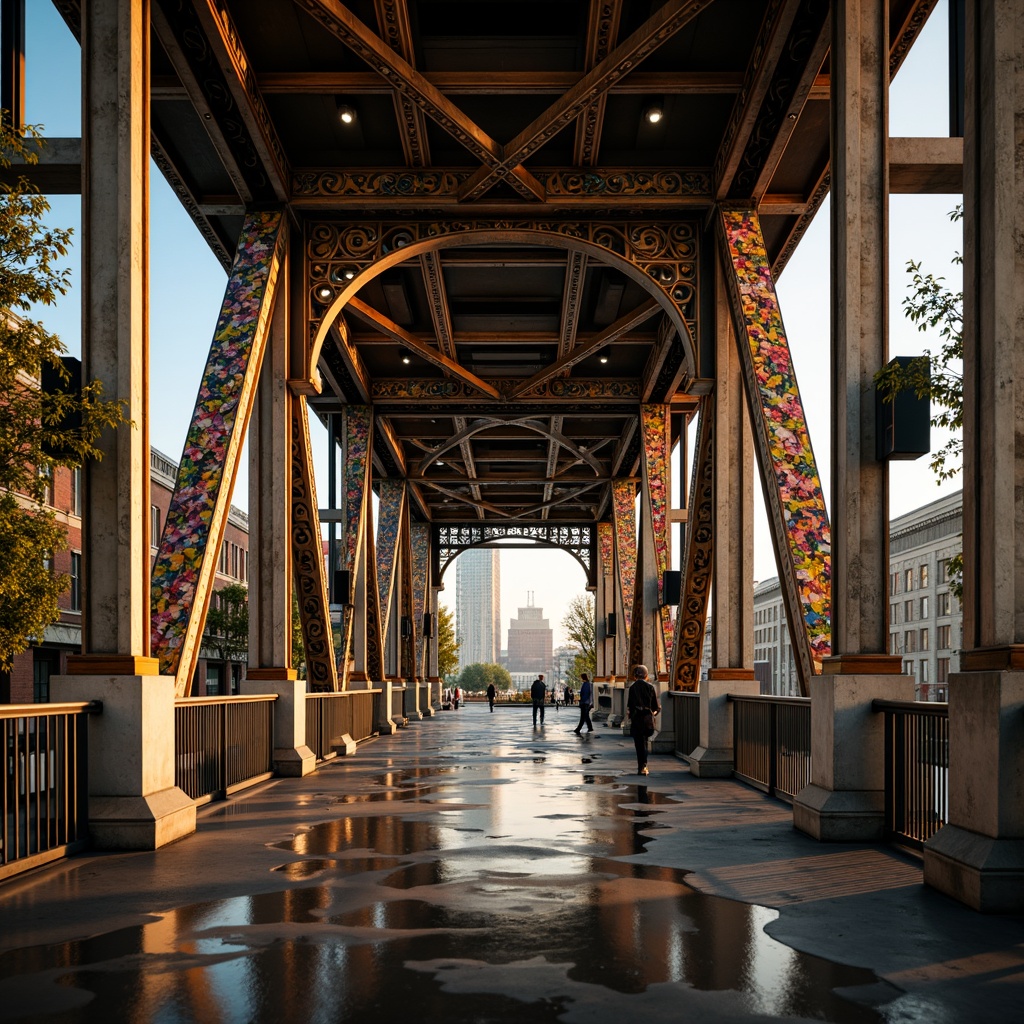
578, 539
342, 257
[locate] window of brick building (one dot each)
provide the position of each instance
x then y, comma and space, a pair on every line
942, 603
942, 638
922, 676
942, 670
910, 641
76, 581
924, 607
923, 576
76, 491
908, 580
154, 525
908, 611
924, 640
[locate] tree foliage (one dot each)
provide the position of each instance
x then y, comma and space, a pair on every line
938, 376
580, 628
38, 430
480, 674
227, 623
447, 644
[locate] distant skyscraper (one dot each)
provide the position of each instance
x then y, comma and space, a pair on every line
478, 606
530, 641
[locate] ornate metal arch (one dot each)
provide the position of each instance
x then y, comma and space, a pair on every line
342, 257
578, 539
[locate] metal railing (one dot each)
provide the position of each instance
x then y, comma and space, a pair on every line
46, 791
686, 710
772, 740
916, 769
329, 716
222, 744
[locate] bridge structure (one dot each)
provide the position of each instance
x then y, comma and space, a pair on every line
510, 256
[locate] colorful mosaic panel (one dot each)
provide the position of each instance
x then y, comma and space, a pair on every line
624, 518
606, 545
187, 558
699, 558
420, 536
358, 419
796, 494
389, 524
654, 427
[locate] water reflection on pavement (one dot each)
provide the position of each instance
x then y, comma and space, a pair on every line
468, 870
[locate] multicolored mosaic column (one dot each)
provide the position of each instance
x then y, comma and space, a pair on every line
308, 560
183, 574
654, 427
420, 537
357, 433
698, 562
390, 515
800, 527
624, 521
606, 600
374, 633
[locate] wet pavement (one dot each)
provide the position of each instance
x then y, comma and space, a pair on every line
475, 869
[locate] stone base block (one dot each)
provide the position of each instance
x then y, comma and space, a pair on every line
840, 816
984, 873
710, 763
294, 762
663, 742
141, 822
386, 728
344, 745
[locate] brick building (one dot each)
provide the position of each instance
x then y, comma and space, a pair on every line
29, 679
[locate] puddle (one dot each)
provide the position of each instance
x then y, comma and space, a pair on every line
501, 929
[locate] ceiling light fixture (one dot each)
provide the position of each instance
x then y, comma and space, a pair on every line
654, 112
324, 292
406, 360
346, 114
604, 359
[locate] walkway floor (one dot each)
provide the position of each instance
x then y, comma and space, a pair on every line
474, 869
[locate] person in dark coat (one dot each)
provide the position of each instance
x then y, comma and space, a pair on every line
642, 696
586, 703
491, 694
537, 693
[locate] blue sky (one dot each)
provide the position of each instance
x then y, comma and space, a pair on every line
187, 285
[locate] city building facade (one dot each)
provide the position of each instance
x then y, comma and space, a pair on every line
478, 606
925, 618
530, 642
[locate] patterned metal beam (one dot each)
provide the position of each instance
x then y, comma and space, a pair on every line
406, 81
624, 521
698, 565
602, 31
308, 560
658, 29
204, 48
186, 562
594, 188
394, 27
391, 512
356, 469
654, 425
419, 536
789, 474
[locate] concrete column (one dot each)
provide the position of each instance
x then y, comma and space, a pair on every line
115, 330
860, 329
715, 756
383, 722
292, 757
270, 474
732, 591
134, 803
845, 800
978, 857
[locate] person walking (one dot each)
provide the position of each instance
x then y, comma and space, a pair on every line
537, 693
642, 705
456, 697
586, 703
491, 694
